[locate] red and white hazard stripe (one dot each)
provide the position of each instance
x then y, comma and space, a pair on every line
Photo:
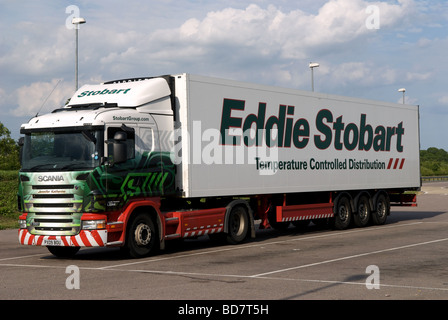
85, 238
396, 163
308, 217
203, 230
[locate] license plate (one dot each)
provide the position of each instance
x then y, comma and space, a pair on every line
47, 242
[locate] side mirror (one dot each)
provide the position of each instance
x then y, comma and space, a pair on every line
21, 142
120, 147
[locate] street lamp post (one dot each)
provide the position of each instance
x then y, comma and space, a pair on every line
313, 65
402, 90
77, 22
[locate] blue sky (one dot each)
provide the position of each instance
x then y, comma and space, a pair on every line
269, 42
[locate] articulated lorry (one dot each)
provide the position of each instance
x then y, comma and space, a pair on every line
135, 163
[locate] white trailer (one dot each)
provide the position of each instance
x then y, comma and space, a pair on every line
306, 141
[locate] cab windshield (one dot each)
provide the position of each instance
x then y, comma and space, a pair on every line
62, 150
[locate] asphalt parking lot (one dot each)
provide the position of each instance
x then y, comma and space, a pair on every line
402, 260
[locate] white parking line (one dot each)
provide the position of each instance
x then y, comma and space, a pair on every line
30, 265
348, 257
227, 248
326, 235
382, 285
240, 247
21, 257
196, 274
275, 275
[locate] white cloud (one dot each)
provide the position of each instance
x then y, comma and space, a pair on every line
41, 97
292, 35
221, 42
443, 100
418, 76
3, 96
248, 43
245, 40
38, 51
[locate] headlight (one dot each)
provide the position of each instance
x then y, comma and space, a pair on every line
93, 224
22, 223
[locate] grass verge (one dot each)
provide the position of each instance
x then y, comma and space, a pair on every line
8, 199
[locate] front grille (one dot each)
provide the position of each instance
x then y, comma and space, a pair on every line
52, 230
54, 210
53, 205
53, 220
53, 196
47, 187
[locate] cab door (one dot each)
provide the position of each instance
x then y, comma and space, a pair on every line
155, 169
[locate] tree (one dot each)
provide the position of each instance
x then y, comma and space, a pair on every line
9, 150
434, 162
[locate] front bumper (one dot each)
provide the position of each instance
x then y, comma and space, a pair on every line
85, 238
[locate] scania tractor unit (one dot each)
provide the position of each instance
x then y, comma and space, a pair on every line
134, 163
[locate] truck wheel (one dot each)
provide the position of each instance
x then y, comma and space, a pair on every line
63, 252
343, 214
362, 216
141, 239
379, 215
238, 224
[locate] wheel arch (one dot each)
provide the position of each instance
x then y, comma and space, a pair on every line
149, 207
244, 203
358, 196
375, 198
339, 197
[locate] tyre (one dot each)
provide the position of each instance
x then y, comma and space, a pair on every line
362, 216
238, 225
63, 252
142, 237
382, 209
343, 214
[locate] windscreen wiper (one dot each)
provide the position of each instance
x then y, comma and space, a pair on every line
81, 164
40, 166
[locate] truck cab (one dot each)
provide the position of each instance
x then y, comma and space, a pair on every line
82, 163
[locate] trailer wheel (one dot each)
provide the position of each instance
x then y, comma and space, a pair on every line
362, 216
238, 224
343, 214
382, 208
63, 252
141, 238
